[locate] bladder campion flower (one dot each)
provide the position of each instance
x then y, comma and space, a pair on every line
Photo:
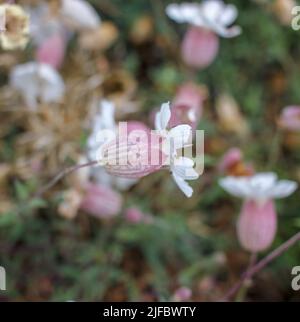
257, 223
207, 21
182, 168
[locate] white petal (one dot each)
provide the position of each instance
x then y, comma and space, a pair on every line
51, 84
238, 187
183, 186
217, 16
107, 114
283, 188
183, 167
260, 187
261, 184
226, 32
212, 10
185, 12
35, 81
164, 115
80, 13
157, 122
179, 135
174, 12
228, 15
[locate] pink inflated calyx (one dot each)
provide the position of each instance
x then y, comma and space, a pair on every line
134, 154
187, 105
257, 225
199, 47
101, 201
52, 51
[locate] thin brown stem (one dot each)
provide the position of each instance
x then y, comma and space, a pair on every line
243, 287
61, 174
250, 272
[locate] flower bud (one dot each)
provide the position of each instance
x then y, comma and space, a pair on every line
187, 105
52, 51
101, 201
182, 294
134, 215
133, 156
257, 225
290, 118
230, 158
232, 163
199, 47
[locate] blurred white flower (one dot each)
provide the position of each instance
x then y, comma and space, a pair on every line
176, 138
79, 14
43, 24
260, 187
103, 120
37, 81
213, 15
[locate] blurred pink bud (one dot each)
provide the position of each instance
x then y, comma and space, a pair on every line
257, 225
52, 51
230, 158
187, 105
101, 201
134, 215
232, 163
133, 156
182, 294
199, 47
290, 118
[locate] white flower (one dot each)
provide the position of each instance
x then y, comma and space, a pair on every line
179, 134
79, 14
213, 15
176, 138
105, 120
260, 187
37, 81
